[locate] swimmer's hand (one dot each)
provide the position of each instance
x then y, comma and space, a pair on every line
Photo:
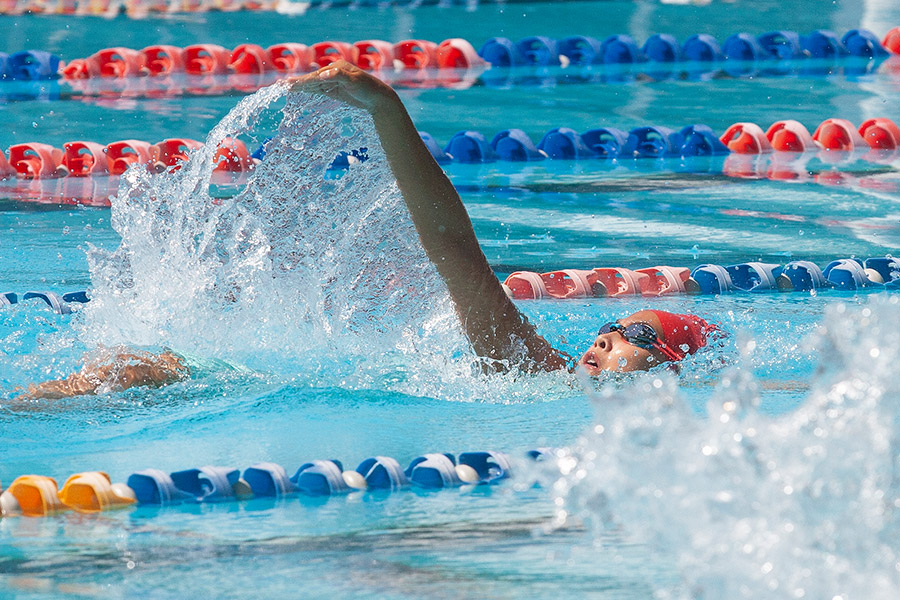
348, 84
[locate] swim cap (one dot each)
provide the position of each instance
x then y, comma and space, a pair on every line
684, 334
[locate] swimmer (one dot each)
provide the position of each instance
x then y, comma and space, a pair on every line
494, 326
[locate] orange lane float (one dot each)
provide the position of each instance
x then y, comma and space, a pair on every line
94, 491
36, 495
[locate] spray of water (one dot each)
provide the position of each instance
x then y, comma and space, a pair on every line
800, 506
302, 261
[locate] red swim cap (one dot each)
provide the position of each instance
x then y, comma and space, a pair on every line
684, 334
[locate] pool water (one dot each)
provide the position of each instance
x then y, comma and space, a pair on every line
665, 485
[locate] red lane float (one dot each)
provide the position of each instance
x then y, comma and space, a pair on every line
206, 59
232, 156
114, 63
457, 53
250, 59
416, 54
85, 159
120, 155
162, 60
663, 280
172, 152
325, 53
746, 138
892, 40
881, 134
574, 283
35, 160
374, 55
790, 136
82, 159
840, 135
290, 57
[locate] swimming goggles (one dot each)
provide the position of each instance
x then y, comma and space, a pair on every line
641, 335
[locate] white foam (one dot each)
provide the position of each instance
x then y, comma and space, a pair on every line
749, 506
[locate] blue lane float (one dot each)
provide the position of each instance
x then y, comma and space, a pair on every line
580, 50
30, 65
321, 478
60, 304
515, 145
782, 45
650, 142
605, 142
702, 47
565, 143
662, 47
863, 44
823, 44
539, 51
470, 147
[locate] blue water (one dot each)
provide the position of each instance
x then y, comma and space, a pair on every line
295, 406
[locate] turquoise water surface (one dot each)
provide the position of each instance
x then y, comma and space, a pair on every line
766, 468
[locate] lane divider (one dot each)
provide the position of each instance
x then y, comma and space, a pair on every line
838, 138
882, 273
93, 491
205, 59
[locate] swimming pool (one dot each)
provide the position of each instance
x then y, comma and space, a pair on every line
678, 486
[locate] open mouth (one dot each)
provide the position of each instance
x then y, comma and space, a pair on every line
590, 361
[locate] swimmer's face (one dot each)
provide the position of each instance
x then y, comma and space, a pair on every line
611, 352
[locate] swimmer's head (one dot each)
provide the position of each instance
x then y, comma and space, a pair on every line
643, 340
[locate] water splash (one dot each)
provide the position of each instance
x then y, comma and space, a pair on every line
800, 506
301, 266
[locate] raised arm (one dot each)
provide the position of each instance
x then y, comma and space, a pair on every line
491, 321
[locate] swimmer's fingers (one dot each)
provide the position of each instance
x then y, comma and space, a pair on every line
346, 83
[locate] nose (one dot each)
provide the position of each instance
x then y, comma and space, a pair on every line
603, 342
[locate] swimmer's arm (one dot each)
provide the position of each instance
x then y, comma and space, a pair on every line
123, 371
491, 321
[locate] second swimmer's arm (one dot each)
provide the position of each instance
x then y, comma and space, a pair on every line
491, 321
